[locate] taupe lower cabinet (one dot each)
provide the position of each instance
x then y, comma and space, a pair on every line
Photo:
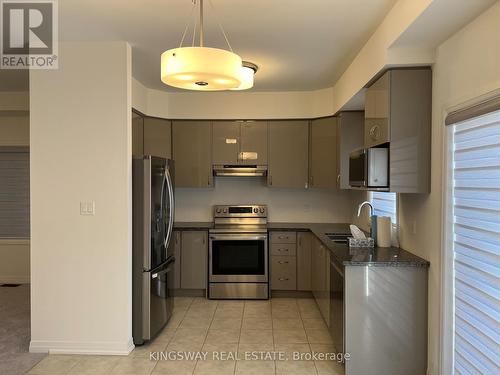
137, 134
239, 142
158, 137
288, 154
323, 153
193, 259
304, 261
290, 260
350, 137
283, 260
192, 153
177, 254
320, 280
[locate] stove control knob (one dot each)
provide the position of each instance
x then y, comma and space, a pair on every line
255, 210
218, 210
262, 210
225, 210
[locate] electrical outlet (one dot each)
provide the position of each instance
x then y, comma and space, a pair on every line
87, 208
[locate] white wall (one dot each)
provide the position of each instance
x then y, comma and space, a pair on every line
467, 66
81, 151
239, 105
285, 205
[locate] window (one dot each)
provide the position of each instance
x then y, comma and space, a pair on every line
14, 193
384, 204
474, 245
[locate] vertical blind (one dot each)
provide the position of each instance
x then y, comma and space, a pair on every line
14, 193
476, 245
384, 204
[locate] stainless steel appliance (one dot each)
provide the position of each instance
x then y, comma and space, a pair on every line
337, 318
240, 170
369, 168
152, 261
238, 253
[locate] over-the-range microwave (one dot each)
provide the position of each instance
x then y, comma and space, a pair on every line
369, 168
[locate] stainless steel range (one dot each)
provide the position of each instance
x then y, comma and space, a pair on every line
238, 253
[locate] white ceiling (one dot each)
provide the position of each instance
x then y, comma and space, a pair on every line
298, 44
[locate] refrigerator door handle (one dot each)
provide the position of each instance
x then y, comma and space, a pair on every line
168, 179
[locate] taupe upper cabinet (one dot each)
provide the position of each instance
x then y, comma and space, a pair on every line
158, 137
137, 134
253, 149
192, 151
323, 153
225, 142
351, 132
398, 110
377, 112
239, 143
288, 154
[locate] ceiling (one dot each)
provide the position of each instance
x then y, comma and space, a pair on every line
298, 44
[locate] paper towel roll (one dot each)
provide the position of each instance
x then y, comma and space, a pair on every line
384, 231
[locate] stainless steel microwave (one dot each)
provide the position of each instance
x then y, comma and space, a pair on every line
369, 168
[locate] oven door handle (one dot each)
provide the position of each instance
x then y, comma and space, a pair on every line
238, 237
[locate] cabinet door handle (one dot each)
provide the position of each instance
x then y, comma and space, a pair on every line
283, 262
270, 180
283, 279
282, 237
338, 180
282, 249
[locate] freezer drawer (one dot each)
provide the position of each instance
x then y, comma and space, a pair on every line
156, 302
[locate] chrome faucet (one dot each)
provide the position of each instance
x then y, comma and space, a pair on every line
365, 203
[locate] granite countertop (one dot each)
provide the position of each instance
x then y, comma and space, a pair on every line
342, 254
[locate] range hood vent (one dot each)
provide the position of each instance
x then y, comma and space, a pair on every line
240, 170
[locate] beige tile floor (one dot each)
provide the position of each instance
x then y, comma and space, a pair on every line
230, 328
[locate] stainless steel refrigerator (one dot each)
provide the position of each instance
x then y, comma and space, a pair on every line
153, 262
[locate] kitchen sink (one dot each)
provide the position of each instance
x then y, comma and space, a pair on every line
339, 237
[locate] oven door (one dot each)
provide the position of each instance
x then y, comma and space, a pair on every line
238, 258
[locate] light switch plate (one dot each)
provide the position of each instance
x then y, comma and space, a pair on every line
87, 208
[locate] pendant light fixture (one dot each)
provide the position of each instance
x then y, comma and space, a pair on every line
247, 73
202, 68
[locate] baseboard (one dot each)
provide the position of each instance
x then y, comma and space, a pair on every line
189, 292
291, 294
14, 279
78, 347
